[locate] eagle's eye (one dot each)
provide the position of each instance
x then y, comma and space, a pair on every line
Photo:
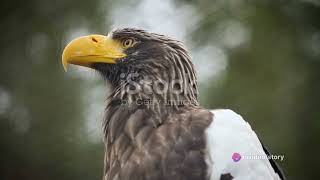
127, 43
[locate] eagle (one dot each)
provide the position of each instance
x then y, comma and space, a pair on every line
154, 127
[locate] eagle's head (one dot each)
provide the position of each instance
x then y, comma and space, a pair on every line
139, 65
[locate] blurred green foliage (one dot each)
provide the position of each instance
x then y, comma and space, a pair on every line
273, 81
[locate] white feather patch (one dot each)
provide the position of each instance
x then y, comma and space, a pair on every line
228, 134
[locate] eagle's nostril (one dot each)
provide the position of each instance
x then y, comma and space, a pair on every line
94, 39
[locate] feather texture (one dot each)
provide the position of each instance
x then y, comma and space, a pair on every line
138, 150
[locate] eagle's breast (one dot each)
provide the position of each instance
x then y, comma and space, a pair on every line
139, 149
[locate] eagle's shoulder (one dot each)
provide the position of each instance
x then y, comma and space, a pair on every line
229, 138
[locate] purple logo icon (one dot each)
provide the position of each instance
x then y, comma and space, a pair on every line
236, 157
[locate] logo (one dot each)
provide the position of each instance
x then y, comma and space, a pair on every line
236, 157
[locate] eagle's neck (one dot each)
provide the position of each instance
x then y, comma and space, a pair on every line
157, 96
157, 106
155, 84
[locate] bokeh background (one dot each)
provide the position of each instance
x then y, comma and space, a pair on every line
260, 58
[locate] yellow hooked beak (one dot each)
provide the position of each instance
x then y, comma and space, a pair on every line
90, 49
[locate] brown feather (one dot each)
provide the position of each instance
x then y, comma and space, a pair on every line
162, 140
